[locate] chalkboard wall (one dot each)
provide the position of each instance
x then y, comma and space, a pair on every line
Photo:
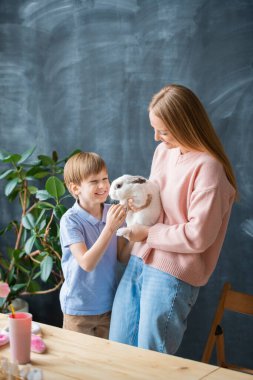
80, 74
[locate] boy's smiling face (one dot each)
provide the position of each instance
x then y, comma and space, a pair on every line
93, 190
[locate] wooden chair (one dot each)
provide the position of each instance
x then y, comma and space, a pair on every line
233, 301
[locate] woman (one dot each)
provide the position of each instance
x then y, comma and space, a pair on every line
176, 256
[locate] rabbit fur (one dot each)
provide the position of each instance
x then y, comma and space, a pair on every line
144, 193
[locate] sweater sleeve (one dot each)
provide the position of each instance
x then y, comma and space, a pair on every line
206, 211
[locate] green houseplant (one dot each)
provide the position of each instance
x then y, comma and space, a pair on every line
30, 263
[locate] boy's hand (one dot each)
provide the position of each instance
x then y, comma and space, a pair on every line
115, 216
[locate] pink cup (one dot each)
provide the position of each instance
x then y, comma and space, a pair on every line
20, 329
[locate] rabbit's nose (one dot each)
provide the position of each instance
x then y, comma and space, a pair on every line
118, 186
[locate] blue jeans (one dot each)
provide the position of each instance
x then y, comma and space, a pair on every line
150, 308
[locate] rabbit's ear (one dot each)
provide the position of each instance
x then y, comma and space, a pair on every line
139, 180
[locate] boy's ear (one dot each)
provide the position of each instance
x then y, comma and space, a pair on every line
74, 189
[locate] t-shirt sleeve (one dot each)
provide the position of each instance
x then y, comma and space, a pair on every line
70, 231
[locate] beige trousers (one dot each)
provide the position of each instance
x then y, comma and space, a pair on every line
96, 325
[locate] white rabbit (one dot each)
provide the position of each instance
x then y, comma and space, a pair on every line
145, 196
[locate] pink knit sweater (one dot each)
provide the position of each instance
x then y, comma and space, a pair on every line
197, 199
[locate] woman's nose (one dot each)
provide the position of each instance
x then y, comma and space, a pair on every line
157, 136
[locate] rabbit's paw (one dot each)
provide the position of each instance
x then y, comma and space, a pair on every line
123, 232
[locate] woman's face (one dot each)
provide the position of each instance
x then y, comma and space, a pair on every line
162, 133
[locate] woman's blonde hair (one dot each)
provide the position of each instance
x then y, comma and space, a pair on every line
80, 166
185, 117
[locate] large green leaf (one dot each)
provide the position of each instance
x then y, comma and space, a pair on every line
43, 195
28, 221
41, 174
29, 244
14, 194
46, 267
26, 155
45, 205
14, 158
35, 169
55, 187
10, 186
10, 275
23, 269
6, 173
36, 275
3, 154
71, 154
32, 189
46, 160
40, 217
42, 224
18, 287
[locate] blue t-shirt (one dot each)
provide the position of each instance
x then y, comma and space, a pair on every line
86, 293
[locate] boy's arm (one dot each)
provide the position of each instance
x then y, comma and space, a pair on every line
124, 248
89, 258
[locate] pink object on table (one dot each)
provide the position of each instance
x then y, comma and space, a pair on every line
4, 289
20, 337
37, 344
4, 338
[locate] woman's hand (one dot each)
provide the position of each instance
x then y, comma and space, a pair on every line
138, 232
115, 217
133, 208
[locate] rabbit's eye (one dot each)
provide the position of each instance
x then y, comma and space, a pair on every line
118, 186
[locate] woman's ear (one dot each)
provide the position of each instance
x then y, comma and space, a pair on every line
74, 189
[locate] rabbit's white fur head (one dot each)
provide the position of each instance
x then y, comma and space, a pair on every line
143, 192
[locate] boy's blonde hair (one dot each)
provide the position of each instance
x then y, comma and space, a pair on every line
185, 117
80, 166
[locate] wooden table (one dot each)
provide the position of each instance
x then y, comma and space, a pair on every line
72, 355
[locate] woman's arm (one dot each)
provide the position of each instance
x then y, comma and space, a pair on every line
194, 227
206, 215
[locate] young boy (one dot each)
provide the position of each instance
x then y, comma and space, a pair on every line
89, 247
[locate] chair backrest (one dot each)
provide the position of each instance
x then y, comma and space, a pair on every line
233, 301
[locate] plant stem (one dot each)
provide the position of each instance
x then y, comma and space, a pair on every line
23, 204
44, 291
53, 250
48, 226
